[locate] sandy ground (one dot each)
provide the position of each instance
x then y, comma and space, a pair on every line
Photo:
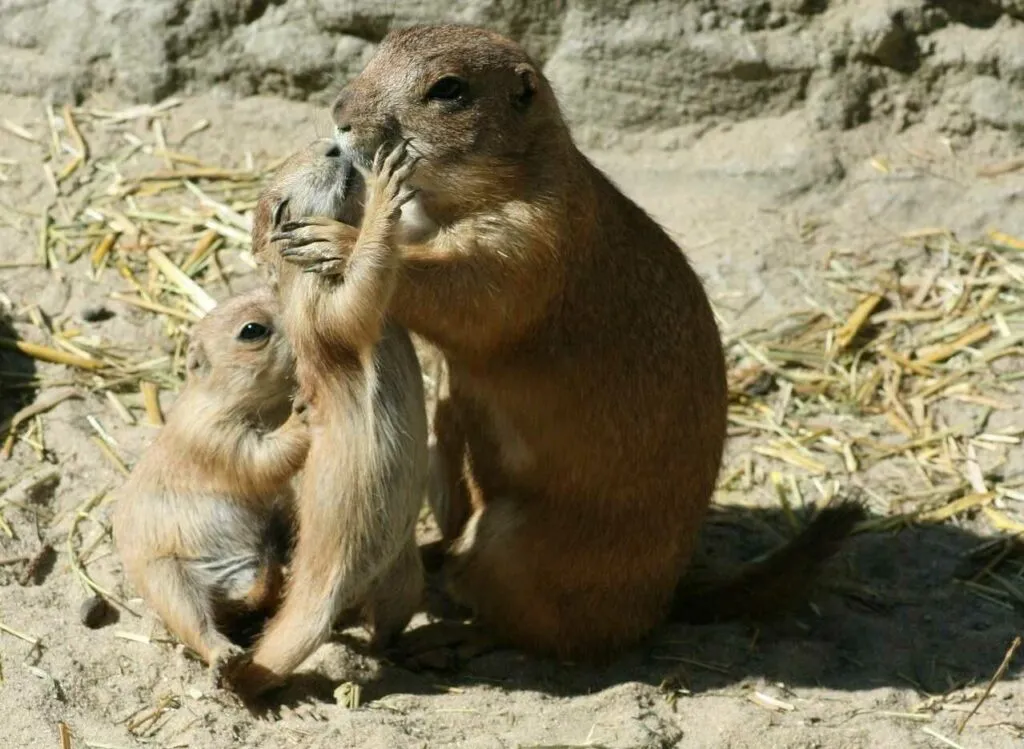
758, 206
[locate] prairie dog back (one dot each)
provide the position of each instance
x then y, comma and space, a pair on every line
359, 376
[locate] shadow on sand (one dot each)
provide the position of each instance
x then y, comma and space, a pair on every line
891, 610
16, 369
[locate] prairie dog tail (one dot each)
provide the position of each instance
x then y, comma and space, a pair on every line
770, 587
303, 624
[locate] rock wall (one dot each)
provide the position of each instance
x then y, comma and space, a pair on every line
618, 65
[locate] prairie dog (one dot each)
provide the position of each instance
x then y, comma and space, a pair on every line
364, 479
202, 522
583, 433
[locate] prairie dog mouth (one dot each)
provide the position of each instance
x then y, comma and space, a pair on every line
362, 158
414, 224
346, 188
329, 185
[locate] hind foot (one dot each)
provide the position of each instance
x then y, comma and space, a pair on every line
443, 646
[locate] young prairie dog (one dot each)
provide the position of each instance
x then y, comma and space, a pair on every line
201, 522
363, 483
580, 443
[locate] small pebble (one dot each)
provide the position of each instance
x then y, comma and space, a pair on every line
94, 612
762, 385
96, 314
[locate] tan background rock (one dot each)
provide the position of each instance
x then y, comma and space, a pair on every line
617, 65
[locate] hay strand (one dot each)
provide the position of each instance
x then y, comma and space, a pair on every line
47, 354
188, 287
151, 399
1000, 672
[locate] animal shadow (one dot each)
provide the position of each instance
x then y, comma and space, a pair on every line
310, 686
17, 370
898, 608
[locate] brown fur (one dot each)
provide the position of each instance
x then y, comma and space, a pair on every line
583, 434
363, 484
196, 521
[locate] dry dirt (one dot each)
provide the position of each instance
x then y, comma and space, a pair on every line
758, 205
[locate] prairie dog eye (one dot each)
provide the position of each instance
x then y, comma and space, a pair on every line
253, 331
448, 88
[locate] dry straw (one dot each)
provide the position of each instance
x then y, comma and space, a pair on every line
855, 391
865, 398
832, 397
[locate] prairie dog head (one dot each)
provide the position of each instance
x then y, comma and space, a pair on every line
469, 101
319, 180
239, 350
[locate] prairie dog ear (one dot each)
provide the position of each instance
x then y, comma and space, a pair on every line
197, 363
527, 86
277, 217
262, 227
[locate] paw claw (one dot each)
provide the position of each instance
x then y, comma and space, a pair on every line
406, 169
396, 157
378, 158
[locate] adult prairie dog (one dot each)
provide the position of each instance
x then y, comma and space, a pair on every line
364, 479
201, 523
584, 430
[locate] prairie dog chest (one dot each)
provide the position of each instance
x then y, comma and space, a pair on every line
414, 225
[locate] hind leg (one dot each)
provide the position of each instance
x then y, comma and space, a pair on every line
536, 582
448, 493
396, 598
187, 611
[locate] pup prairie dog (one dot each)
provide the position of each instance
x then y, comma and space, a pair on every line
363, 483
584, 429
202, 523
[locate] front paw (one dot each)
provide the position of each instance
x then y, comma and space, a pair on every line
296, 430
388, 190
316, 244
225, 663
252, 681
